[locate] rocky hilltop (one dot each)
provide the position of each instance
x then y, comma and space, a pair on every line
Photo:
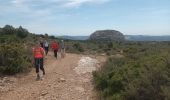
107, 35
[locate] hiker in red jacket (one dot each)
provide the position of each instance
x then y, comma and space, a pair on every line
38, 54
55, 47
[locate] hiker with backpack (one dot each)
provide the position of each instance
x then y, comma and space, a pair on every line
38, 53
62, 48
46, 46
55, 47
41, 42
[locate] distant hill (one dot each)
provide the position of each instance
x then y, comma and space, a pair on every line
74, 37
147, 38
127, 37
112, 35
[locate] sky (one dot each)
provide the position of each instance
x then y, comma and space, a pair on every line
83, 17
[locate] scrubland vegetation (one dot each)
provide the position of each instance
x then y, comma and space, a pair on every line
141, 73
14, 55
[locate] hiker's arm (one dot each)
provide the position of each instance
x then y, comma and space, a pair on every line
43, 52
32, 57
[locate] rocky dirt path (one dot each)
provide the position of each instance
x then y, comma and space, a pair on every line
66, 79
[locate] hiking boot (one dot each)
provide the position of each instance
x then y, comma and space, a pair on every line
43, 72
38, 77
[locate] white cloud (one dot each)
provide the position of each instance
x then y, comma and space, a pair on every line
75, 3
30, 12
37, 9
42, 7
61, 3
16, 2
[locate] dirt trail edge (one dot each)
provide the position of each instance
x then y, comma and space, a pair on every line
66, 79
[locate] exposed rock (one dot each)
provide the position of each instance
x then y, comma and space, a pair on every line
80, 89
62, 80
86, 65
9, 80
43, 93
107, 35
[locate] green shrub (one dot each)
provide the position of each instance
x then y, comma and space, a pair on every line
21, 32
8, 30
143, 74
78, 47
13, 58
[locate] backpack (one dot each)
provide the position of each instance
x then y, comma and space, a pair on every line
46, 44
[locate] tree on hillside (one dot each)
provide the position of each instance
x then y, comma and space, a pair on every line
52, 37
46, 35
21, 32
8, 30
1, 31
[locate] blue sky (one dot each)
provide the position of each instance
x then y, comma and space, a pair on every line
83, 17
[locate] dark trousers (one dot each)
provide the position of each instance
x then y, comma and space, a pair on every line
46, 50
39, 64
55, 53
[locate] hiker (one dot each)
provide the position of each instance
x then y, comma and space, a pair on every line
38, 53
55, 47
42, 44
46, 47
62, 48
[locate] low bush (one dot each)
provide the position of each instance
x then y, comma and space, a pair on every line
13, 58
143, 74
78, 47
